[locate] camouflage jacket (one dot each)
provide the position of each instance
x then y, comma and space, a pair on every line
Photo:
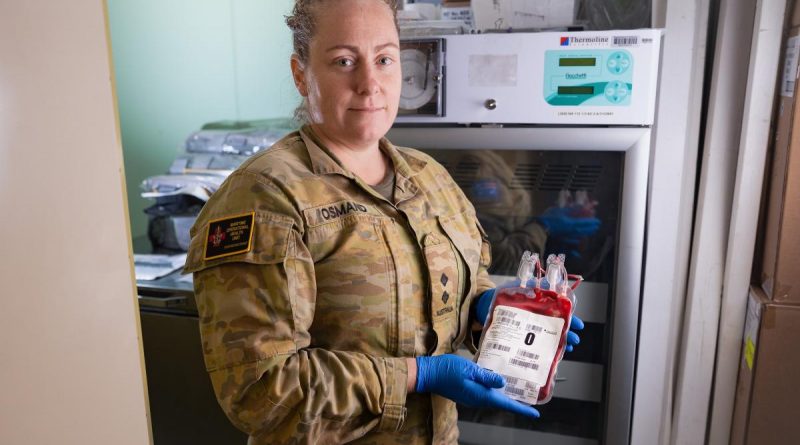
311, 288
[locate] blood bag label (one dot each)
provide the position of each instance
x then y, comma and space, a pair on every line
521, 346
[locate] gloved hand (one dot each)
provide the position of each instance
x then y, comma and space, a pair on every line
560, 222
485, 303
575, 324
463, 381
564, 225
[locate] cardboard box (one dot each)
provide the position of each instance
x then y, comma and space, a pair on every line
795, 17
767, 404
780, 262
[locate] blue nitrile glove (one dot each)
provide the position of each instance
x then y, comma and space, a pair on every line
559, 223
567, 230
575, 324
463, 381
485, 303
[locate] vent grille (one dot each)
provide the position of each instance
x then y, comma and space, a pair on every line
552, 177
464, 173
526, 176
586, 177
556, 177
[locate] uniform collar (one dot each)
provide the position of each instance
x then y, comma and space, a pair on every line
324, 162
405, 164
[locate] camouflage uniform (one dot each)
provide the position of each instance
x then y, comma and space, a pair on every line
305, 327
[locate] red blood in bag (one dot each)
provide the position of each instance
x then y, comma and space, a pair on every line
548, 303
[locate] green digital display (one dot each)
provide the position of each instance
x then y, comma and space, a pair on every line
576, 90
577, 61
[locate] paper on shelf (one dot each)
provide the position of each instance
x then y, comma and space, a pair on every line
522, 14
152, 266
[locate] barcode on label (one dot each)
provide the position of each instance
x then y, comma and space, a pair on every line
518, 391
626, 40
510, 381
530, 355
789, 86
505, 313
523, 364
499, 347
533, 327
509, 321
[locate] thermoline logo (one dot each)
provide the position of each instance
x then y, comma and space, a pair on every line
567, 41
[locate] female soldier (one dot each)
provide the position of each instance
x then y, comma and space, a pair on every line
334, 273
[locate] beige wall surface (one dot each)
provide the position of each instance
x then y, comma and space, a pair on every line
70, 358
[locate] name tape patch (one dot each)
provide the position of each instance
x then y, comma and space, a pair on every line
229, 236
330, 212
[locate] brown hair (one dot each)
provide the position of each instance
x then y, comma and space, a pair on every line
302, 23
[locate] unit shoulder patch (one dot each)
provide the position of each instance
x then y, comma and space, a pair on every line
229, 236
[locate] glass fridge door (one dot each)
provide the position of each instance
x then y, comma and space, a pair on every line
549, 202
580, 191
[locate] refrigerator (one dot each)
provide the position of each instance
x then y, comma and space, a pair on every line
538, 124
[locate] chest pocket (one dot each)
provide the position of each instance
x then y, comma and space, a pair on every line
355, 284
452, 253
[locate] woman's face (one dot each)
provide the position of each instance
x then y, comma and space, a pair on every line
352, 77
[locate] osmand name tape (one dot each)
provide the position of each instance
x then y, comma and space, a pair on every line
333, 211
229, 236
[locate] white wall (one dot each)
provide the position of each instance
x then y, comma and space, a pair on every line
71, 369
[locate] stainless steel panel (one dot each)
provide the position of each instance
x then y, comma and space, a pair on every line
580, 381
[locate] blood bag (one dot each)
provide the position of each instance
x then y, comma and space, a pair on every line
525, 334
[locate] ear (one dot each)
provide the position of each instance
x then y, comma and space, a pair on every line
299, 75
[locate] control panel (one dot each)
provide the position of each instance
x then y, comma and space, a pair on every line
588, 78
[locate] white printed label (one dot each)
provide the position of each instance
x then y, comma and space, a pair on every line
790, 66
752, 320
463, 14
521, 346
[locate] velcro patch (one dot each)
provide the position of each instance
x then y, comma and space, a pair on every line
229, 236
